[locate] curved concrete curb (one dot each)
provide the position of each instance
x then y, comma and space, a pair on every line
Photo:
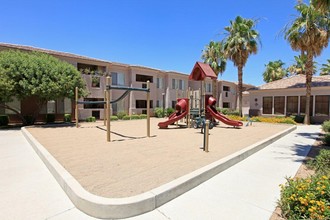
101, 207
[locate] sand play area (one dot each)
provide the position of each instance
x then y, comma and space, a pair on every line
132, 163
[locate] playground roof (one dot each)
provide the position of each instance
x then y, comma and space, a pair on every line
201, 71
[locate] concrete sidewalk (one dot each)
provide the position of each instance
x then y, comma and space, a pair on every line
248, 190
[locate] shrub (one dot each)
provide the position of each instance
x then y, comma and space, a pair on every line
4, 120
321, 163
224, 111
236, 118
298, 118
113, 118
306, 198
285, 120
127, 117
29, 119
50, 118
326, 126
169, 111
135, 117
120, 115
143, 116
91, 119
233, 112
159, 113
67, 117
326, 139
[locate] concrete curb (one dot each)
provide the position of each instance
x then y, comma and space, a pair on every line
102, 207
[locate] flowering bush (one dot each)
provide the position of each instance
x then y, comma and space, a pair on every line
285, 120
306, 198
321, 163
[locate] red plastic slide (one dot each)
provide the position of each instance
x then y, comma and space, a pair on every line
222, 118
181, 112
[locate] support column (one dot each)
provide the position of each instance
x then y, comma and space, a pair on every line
108, 82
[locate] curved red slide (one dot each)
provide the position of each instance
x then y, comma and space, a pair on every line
171, 120
222, 118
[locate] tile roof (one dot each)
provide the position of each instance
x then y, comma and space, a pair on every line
297, 81
201, 71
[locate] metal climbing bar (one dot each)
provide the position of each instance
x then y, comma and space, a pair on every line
91, 102
127, 88
121, 97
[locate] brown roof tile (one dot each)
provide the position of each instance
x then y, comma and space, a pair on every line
297, 81
201, 71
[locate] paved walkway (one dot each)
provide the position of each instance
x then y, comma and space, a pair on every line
248, 190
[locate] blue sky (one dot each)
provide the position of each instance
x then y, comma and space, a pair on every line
167, 35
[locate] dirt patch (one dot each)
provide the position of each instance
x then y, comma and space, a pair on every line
132, 163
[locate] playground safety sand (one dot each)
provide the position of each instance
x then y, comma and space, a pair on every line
132, 163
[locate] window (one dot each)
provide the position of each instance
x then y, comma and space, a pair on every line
279, 105
181, 84
173, 104
86, 68
143, 104
160, 83
93, 105
267, 104
51, 107
303, 105
209, 87
143, 78
118, 78
174, 84
67, 106
322, 105
144, 85
292, 105
157, 104
226, 88
226, 105
96, 114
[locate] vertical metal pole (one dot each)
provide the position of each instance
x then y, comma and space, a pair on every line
188, 108
76, 110
108, 83
206, 135
105, 109
200, 102
148, 109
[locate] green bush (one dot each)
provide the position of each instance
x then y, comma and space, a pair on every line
127, 117
143, 116
169, 111
306, 198
326, 126
326, 139
50, 118
159, 113
135, 117
224, 111
321, 163
298, 118
29, 119
4, 120
120, 115
91, 119
113, 118
233, 112
67, 117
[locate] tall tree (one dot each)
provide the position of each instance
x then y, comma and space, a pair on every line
213, 55
299, 67
322, 5
325, 69
274, 71
26, 74
308, 33
240, 42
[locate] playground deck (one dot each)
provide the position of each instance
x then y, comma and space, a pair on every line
132, 163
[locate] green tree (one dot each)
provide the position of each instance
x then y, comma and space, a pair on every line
213, 55
325, 69
240, 42
35, 74
322, 5
274, 71
309, 33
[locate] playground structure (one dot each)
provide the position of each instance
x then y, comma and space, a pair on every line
181, 110
107, 102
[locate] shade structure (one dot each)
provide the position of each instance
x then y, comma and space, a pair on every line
201, 71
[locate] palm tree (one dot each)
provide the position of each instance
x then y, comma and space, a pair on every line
299, 67
325, 69
213, 55
240, 42
274, 71
309, 33
322, 5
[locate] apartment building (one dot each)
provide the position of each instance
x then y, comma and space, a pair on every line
165, 87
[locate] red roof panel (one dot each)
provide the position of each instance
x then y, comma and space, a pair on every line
201, 71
